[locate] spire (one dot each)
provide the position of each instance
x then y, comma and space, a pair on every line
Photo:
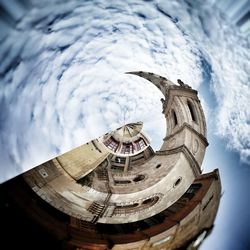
160, 82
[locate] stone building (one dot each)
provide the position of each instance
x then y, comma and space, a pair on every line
116, 192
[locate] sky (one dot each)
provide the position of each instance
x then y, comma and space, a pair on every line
63, 84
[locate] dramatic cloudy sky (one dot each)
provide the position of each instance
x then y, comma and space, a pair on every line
63, 83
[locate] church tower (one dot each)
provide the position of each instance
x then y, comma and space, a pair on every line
186, 124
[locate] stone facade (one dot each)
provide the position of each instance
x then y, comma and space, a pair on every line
122, 194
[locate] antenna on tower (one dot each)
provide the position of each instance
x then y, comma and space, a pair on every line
124, 119
124, 115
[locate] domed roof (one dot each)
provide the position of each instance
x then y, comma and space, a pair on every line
127, 132
126, 140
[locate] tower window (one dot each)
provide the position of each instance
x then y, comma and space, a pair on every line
192, 111
174, 118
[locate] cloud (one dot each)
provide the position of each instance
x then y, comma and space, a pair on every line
226, 55
63, 82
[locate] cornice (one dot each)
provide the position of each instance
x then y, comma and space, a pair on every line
183, 149
188, 126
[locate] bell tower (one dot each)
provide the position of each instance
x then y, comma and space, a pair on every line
186, 125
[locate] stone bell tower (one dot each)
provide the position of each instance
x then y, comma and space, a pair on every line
186, 125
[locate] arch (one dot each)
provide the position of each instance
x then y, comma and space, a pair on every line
150, 201
158, 166
174, 118
111, 143
192, 111
139, 177
178, 181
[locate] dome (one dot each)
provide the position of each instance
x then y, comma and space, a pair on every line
126, 140
127, 132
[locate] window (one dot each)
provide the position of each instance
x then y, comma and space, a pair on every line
122, 182
139, 178
120, 160
194, 188
140, 144
174, 118
43, 173
158, 166
192, 111
150, 201
127, 148
178, 181
111, 143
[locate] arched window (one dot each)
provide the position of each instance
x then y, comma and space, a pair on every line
139, 177
150, 201
158, 166
177, 182
174, 118
192, 111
